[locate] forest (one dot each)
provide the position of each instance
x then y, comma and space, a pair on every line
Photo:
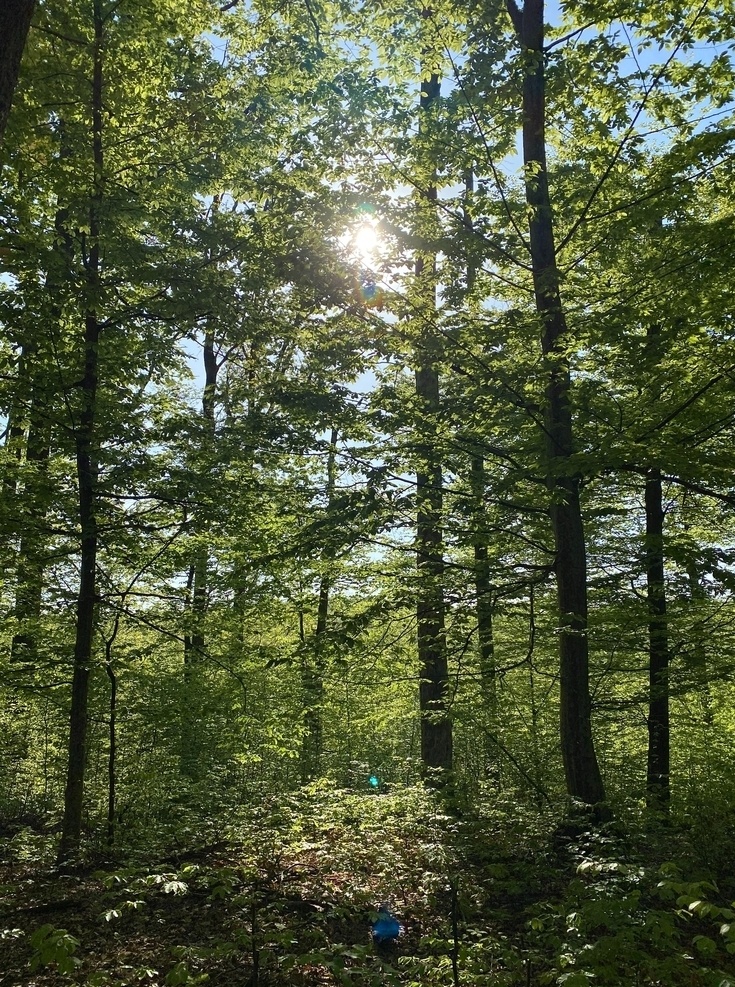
367, 410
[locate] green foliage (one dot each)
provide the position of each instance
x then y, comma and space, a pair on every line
55, 948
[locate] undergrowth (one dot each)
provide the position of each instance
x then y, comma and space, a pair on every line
285, 891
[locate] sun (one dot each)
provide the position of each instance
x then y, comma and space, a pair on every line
365, 243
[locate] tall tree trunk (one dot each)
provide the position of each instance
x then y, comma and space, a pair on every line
658, 766
201, 561
436, 726
15, 22
312, 668
197, 587
484, 613
87, 474
112, 736
583, 778
657, 780
483, 586
537, 770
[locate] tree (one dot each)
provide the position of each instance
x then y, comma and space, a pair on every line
15, 23
584, 781
436, 727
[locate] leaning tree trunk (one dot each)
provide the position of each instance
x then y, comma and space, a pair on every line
583, 778
436, 726
15, 22
87, 471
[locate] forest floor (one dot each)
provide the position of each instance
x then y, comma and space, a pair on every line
285, 894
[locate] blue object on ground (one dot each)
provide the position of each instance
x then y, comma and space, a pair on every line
386, 928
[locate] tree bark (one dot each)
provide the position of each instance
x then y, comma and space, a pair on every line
15, 22
436, 727
658, 766
657, 779
583, 778
87, 474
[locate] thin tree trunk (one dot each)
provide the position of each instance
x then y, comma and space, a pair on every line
112, 736
436, 727
197, 588
15, 22
658, 766
537, 770
657, 779
87, 597
199, 598
484, 614
483, 587
583, 778
86, 455
312, 667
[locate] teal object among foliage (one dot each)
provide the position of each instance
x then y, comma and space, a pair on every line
374, 782
387, 928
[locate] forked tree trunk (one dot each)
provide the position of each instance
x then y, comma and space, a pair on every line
583, 778
436, 726
86, 456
